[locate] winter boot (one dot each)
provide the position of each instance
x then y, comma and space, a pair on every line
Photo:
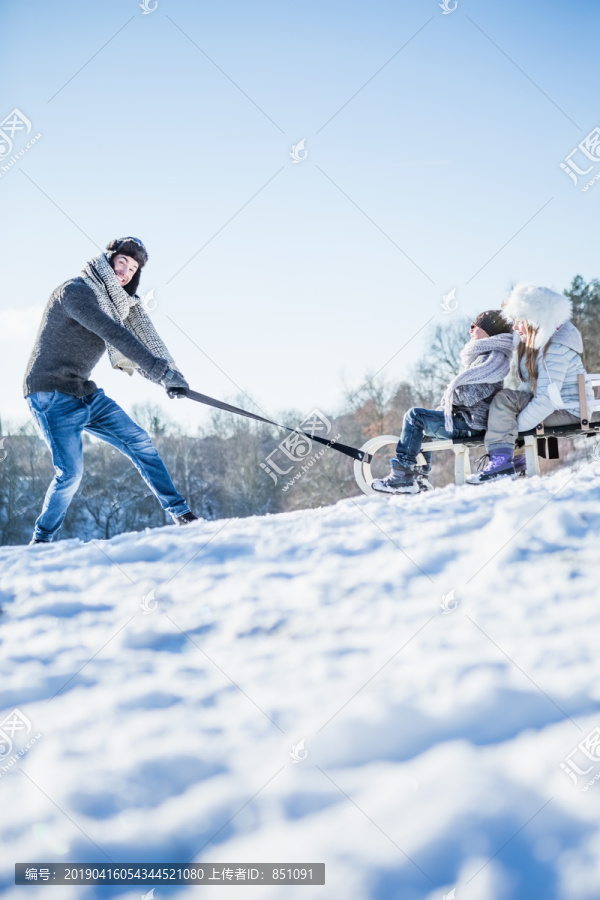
401, 480
186, 518
500, 463
421, 475
424, 483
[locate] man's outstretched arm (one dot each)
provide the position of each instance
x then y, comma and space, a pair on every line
80, 303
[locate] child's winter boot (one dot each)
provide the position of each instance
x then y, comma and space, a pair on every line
401, 480
500, 464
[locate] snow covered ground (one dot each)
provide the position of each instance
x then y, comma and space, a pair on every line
433, 736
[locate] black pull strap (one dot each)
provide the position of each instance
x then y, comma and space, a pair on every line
352, 452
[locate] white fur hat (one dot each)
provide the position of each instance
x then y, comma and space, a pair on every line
541, 307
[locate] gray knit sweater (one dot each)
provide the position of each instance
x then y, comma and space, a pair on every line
486, 363
472, 403
71, 339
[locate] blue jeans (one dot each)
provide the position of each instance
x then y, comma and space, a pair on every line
61, 418
419, 423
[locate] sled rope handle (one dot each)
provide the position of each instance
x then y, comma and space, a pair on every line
352, 452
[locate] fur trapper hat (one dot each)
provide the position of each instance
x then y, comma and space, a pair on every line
542, 308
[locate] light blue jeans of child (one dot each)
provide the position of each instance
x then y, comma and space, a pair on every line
419, 423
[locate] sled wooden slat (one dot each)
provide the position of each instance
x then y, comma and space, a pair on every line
583, 404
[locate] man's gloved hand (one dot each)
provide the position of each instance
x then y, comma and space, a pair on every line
175, 384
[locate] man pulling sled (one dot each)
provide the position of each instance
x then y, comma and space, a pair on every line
97, 311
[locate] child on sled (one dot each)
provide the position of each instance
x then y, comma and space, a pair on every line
465, 403
548, 362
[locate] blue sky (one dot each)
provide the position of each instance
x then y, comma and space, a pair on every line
434, 143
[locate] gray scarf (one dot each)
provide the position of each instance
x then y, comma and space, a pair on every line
486, 361
113, 300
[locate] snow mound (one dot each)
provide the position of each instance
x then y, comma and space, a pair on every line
387, 685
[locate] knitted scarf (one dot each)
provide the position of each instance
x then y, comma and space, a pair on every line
113, 300
486, 361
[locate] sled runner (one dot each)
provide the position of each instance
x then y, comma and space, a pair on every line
539, 442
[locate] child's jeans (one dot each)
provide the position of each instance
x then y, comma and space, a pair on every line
419, 423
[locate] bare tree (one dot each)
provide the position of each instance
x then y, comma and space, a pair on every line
152, 419
586, 316
440, 362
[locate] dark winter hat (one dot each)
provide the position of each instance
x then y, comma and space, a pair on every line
133, 247
128, 246
493, 322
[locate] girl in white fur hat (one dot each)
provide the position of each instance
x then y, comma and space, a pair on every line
548, 363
